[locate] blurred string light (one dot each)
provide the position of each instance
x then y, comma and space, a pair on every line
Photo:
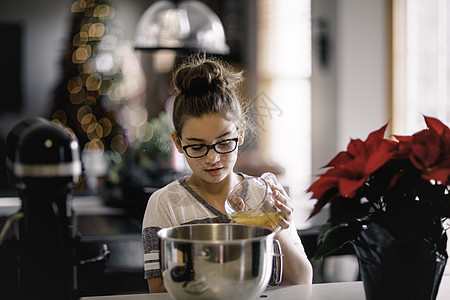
102, 97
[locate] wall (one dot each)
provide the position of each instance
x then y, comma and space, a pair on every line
363, 74
349, 92
324, 82
44, 25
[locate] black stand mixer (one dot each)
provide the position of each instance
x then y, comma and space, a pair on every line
43, 164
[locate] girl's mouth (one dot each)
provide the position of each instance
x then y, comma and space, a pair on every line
213, 171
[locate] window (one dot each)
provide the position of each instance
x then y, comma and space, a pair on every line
284, 97
421, 37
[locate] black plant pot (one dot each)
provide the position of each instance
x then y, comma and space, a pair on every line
393, 267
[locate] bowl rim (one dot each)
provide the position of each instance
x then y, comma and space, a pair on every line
160, 233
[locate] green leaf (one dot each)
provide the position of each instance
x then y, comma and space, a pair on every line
332, 238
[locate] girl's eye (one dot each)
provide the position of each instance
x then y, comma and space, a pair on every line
224, 144
197, 147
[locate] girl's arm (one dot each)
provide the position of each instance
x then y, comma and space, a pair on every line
297, 269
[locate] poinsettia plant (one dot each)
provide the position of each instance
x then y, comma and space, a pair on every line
403, 181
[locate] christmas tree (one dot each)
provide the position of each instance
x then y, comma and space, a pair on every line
101, 97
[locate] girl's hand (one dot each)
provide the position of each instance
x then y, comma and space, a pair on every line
282, 200
283, 203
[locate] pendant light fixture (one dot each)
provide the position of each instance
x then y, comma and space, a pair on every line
181, 25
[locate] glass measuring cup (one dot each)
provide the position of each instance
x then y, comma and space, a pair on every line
251, 203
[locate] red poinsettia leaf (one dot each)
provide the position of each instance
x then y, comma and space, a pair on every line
445, 146
375, 162
322, 185
380, 156
403, 138
375, 137
439, 175
445, 162
404, 146
352, 170
341, 158
391, 144
423, 157
348, 187
356, 147
435, 125
425, 149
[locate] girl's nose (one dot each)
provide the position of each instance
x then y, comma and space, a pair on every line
212, 157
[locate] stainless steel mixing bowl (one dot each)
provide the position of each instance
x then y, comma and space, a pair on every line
216, 261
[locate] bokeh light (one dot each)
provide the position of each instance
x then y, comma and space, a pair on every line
80, 39
78, 6
93, 82
61, 116
96, 30
119, 144
104, 11
75, 85
106, 125
105, 92
82, 111
94, 146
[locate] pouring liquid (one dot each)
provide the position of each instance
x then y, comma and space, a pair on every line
257, 218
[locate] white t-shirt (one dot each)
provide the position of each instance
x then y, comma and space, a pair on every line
174, 205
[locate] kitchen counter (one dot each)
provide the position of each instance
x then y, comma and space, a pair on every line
336, 291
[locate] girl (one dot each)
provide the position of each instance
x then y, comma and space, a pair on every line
209, 128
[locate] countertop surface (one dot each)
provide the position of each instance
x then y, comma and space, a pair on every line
336, 291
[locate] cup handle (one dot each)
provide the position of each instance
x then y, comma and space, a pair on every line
277, 265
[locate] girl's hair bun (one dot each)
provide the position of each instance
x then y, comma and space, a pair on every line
205, 86
199, 86
202, 75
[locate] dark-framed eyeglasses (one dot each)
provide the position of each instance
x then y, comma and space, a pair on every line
221, 147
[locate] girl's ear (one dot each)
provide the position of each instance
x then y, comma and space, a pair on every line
176, 141
241, 134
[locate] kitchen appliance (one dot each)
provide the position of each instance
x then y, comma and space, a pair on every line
43, 164
216, 261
